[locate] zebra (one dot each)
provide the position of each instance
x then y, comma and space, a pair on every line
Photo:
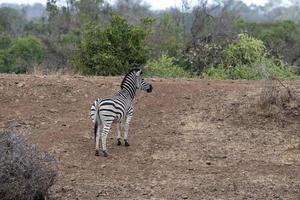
118, 109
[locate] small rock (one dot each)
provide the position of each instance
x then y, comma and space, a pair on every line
208, 162
185, 196
41, 97
53, 110
187, 97
21, 84
103, 166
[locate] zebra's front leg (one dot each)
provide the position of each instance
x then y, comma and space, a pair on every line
127, 122
105, 132
119, 134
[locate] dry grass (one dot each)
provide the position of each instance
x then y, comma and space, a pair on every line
39, 70
277, 98
275, 102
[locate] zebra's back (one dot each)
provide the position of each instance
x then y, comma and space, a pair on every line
111, 109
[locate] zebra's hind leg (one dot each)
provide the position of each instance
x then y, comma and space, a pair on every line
97, 138
105, 132
128, 119
119, 134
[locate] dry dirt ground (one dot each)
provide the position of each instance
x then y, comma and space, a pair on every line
190, 139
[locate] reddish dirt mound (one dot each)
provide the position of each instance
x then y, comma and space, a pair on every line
186, 140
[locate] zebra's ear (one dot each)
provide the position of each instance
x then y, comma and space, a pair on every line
139, 72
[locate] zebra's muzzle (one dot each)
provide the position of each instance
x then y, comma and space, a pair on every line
150, 89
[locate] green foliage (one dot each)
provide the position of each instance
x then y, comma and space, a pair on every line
282, 38
26, 51
247, 59
21, 54
52, 8
246, 51
11, 21
165, 67
166, 37
5, 40
265, 70
113, 50
6, 59
271, 33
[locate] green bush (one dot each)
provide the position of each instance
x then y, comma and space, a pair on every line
6, 59
114, 50
26, 51
246, 51
247, 59
266, 69
164, 67
5, 40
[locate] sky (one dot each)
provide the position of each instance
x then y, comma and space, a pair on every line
155, 4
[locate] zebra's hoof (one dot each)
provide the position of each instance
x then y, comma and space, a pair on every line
119, 142
97, 153
126, 143
105, 154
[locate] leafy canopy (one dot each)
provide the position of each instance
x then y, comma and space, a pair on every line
115, 49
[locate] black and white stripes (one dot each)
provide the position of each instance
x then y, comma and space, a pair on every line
117, 108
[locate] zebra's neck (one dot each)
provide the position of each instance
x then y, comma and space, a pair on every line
125, 94
129, 90
129, 84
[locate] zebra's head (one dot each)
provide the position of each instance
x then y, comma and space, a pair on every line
141, 83
134, 80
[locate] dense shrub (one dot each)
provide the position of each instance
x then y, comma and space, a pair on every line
202, 55
113, 50
27, 51
6, 59
166, 37
21, 54
25, 172
282, 38
247, 58
245, 51
164, 67
5, 40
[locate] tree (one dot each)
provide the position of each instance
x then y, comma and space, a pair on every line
26, 51
11, 21
132, 10
113, 50
166, 37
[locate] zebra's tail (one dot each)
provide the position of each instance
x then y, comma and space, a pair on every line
95, 115
94, 109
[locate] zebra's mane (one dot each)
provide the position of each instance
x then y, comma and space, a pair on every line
128, 74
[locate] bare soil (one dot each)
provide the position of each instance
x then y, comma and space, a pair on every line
190, 139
